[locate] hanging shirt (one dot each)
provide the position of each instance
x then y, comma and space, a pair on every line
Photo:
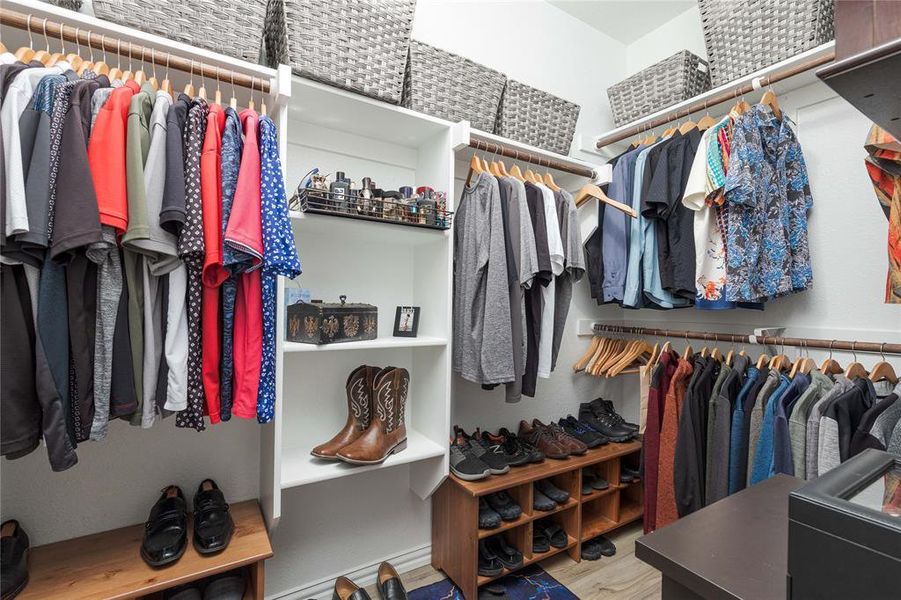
191, 251
548, 293
482, 338
616, 228
244, 250
568, 215
279, 257
534, 296
666, 491
232, 142
782, 455
883, 165
766, 257
763, 457
797, 423
841, 384
738, 448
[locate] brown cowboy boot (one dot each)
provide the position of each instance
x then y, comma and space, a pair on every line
359, 412
387, 433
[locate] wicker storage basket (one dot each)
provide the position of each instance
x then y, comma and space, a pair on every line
70, 4
452, 87
231, 28
668, 82
534, 117
358, 45
743, 36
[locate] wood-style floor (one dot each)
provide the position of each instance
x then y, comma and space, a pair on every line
622, 577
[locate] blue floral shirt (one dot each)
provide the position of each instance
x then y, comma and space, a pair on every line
768, 196
279, 257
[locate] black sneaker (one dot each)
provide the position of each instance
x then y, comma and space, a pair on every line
535, 455
607, 405
494, 458
488, 517
463, 462
633, 473
505, 506
542, 502
514, 453
594, 479
602, 422
589, 437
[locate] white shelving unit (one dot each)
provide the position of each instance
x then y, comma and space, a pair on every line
382, 264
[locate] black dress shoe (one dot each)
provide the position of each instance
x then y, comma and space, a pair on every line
389, 584
166, 530
213, 525
345, 589
14, 567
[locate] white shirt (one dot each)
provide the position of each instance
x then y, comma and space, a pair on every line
18, 95
7, 58
548, 293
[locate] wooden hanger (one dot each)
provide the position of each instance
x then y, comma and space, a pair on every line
716, 354
217, 97
43, 56
549, 181
731, 353
640, 352
655, 354
61, 55
688, 350
883, 370
830, 366
769, 98
74, 58
516, 173
140, 75
116, 72
590, 190
606, 342
580, 364
762, 361
26, 53
202, 90
855, 369
670, 131
100, 68
128, 75
688, 126
2, 48
475, 165
189, 87
706, 121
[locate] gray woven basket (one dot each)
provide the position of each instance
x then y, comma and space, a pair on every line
452, 87
231, 28
743, 36
668, 82
70, 4
534, 117
358, 45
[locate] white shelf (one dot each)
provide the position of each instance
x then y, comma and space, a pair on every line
300, 468
362, 231
422, 341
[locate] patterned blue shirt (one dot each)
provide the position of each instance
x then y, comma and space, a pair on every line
279, 257
768, 195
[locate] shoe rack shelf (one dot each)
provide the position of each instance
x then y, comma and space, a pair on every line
109, 566
455, 511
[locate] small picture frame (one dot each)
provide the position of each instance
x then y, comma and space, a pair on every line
406, 321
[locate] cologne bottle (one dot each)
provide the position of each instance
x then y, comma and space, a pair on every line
340, 190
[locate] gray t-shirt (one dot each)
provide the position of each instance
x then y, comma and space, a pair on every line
483, 341
574, 266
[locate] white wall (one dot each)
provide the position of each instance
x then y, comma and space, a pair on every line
681, 33
534, 43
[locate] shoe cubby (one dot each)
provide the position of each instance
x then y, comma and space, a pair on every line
456, 502
631, 502
383, 264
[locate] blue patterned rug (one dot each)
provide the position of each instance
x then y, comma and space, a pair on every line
531, 583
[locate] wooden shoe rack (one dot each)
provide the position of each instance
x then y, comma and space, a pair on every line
455, 511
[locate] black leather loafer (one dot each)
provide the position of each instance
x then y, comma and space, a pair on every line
345, 589
213, 525
166, 530
14, 567
389, 584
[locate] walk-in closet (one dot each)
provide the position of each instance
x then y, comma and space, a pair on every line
469, 299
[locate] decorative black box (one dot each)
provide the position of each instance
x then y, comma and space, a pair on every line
329, 322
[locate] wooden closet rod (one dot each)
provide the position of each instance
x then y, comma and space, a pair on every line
724, 96
53, 30
495, 148
877, 347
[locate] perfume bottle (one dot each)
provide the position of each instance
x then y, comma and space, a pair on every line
427, 206
365, 202
340, 190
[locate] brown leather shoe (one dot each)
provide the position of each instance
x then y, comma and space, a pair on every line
572, 445
387, 433
539, 436
359, 412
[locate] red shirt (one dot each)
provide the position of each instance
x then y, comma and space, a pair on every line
213, 271
106, 157
245, 232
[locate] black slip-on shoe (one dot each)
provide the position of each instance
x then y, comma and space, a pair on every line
166, 530
542, 502
489, 564
607, 547
213, 525
345, 589
14, 547
509, 557
591, 550
389, 584
552, 491
505, 506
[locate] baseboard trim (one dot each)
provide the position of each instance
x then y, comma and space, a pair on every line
362, 575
